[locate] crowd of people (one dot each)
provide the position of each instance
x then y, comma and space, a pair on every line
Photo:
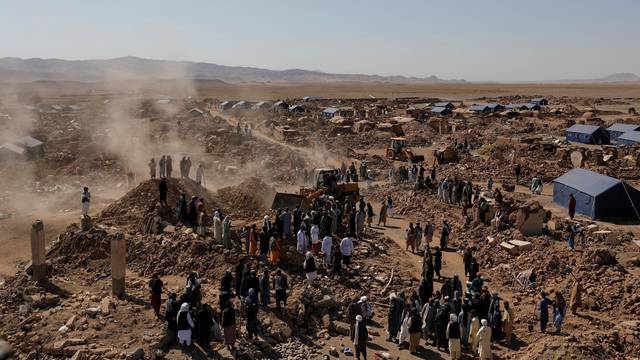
460, 316
191, 319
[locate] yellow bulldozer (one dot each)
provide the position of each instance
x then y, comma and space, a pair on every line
400, 150
325, 182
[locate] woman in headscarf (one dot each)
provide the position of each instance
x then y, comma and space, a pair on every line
483, 339
360, 336
226, 232
229, 325
274, 251
309, 267
185, 325
453, 334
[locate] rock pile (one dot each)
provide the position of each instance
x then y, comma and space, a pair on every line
249, 199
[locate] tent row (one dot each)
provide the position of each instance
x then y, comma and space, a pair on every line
623, 134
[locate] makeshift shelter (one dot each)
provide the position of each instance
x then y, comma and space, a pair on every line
618, 129
539, 101
441, 111
587, 134
630, 138
597, 196
494, 107
480, 109
528, 106
445, 104
225, 105
262, 105
329, 112
297, 108
281, 105
241, 105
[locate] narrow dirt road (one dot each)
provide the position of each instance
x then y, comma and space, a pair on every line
232, 121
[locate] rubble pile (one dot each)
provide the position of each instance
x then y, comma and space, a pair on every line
249, 199
138, 204
587, 345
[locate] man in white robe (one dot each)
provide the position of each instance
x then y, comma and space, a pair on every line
483, 338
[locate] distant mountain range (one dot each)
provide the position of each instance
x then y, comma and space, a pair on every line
134, 68
613, 78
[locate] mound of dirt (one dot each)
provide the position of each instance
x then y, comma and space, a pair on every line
249, 199
139, 203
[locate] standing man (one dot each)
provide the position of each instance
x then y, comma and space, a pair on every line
346, 249
285, 218
155, 286
418, 233
152, 169
327, 243
572, 206
444, 235
415, 331
360, 336
169, 165
315, 238
86, 200
437, 261
543, 307
453, 334
187, 167
183, 162
200, 176
251, 312
280, 285
297, 219
507, 322
163, 166
301, 245
483, 338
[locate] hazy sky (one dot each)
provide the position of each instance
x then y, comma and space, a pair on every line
502, 40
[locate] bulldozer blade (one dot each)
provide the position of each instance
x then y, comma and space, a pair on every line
284, 200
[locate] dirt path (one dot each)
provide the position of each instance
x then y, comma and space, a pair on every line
232, 121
